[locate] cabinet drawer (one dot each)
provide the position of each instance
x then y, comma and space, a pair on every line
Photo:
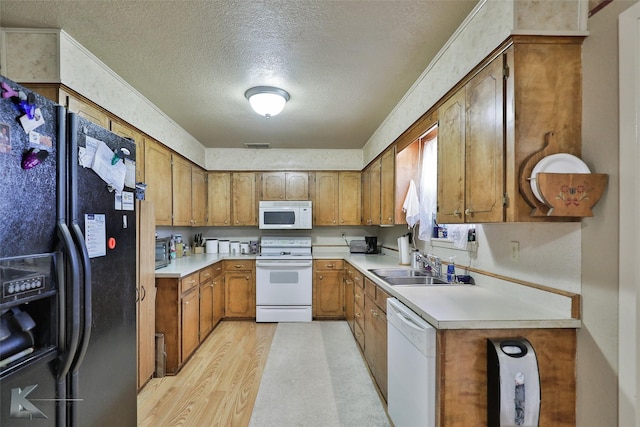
358, 298
358, 313
370, 288
357, 332
329, 264
238, 265
381, 299
189, 282
216, 270
206, 274
358, 280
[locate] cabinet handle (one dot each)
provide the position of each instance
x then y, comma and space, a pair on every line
239, 265
321, 277
457, 213
468, 212
330, 265
247, 277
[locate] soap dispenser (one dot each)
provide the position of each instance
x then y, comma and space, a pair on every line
451, 270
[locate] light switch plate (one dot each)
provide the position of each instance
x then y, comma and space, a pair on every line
515, 251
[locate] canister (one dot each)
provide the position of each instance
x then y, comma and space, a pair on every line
211, 246
244, 248
234, 247
223, 246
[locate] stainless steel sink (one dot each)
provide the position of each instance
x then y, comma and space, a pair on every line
416, 281
386, 273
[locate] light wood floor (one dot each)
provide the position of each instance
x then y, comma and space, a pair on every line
218, 385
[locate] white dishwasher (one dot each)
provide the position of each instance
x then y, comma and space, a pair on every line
411, 363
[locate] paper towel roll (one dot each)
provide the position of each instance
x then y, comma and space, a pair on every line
403, 250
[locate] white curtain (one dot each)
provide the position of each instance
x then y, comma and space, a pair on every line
428, 189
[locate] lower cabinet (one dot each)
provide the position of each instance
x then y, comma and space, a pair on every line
349, 304
328, 289
185, 313
375, 333
240, 289
358, 309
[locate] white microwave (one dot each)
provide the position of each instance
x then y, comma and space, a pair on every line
285, 215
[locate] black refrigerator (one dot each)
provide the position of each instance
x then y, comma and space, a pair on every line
67, 267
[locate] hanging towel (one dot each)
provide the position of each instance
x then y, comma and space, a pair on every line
411, 205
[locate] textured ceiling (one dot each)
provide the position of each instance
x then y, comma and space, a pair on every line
346, 64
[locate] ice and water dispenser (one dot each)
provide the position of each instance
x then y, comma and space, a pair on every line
513, 383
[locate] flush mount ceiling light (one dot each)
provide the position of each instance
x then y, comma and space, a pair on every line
266, 100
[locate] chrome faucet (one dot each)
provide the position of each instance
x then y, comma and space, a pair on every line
433, 264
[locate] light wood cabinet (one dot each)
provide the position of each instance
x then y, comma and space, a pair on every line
181, 184
87, 110
461, 364
190, 322
349, 200
285, 186
218, 293
325, 203
126, 131
371, 193
146, 290
158, 179
358, 309
375, 331
498, 119
240, 289
337, 198
328, 289
349, 302
206, 303
470, 150
244, 206
198, 196
219, 198
387, 187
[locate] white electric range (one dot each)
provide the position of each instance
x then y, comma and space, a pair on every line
284, 274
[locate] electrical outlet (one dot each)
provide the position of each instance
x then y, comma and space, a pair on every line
515, 251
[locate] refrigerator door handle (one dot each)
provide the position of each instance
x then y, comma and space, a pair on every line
86, 286
74, 268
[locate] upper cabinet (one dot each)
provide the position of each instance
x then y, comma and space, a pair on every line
285, 186
219, 200
497, 119
470, 150
337, 198
243, 191
378, 190
387, 187
198, 196
126, 131
158, 180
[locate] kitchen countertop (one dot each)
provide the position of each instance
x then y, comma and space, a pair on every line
444, 306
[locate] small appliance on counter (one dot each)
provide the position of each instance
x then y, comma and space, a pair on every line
367, 246
163, 252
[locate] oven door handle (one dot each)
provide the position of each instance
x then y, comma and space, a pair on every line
283, 264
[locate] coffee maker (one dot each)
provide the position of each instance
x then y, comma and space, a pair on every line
371, 244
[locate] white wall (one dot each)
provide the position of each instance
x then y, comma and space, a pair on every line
598, 338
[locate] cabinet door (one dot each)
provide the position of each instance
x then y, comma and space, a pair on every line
158, 179
387, 187
380, 319
146, 288
244, 198
126, 131
484, 150
370, 337
190, 323
325, 206
375, 194
218, 299
181, 175
349, 304
350, 197
366, 196
219, 200
297, 186
328, 294
206, 309
273, 186
240, 294
84, 109
451, 166
198, 196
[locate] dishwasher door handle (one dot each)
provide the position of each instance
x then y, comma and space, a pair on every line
409, 322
